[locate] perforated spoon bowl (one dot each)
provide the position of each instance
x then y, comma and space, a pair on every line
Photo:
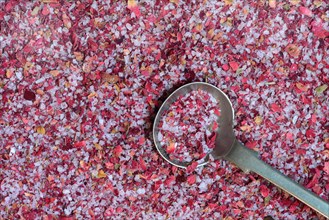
229, 148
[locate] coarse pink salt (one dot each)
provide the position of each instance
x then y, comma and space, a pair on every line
187, 130
97, 71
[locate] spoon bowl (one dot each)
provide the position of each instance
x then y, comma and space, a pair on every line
225, 136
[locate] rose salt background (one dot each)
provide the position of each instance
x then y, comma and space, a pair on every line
80, 83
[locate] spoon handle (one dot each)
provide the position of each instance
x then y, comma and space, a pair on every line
248, 160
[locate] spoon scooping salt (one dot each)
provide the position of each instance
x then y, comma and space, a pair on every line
229, 148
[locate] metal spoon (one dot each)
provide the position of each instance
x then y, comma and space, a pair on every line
229, 148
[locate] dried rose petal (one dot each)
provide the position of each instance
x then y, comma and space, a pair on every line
110, 78
275, 107
117, 151
293, 50
79, 56
225, 67
318, 29
272, 3
54, 72
264, 191
191, 179
305, 11
80, 144
234, 65
171, 147
29, 95
45, 10
66, 21
301, 87
326, 167
133, 6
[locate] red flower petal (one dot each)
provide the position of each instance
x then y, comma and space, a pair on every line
293, 50
191, 179
264, 191
45, 10
192, 167
305, 11
310, 133
234, 65
133, 6
225, 67
217, 112
215, 126
29, 95
117, 151
318, 29
315, 179
169, 180
251, 144
290, 136
326, 167
275, 107
142, 163
80, 144
211, 140
171, 147
302, 87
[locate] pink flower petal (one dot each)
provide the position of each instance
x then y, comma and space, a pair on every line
191, 179
275, 107
305, 11
117, 151
264, 191
234, 65
133, 6
225, 67
318, 29
326, 167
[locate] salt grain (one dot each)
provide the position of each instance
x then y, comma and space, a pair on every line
19, 75
141, 191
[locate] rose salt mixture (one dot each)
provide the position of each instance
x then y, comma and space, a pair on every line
187, 130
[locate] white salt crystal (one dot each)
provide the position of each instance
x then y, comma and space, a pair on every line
141, 191
40, 80
64, 105
42, 106
61, 169
68, 210
71, 7
160, 136
12, 151
137, 43
203, 187
318, 57
7, 17
19, 75
129, 27
137, 179
95, 5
